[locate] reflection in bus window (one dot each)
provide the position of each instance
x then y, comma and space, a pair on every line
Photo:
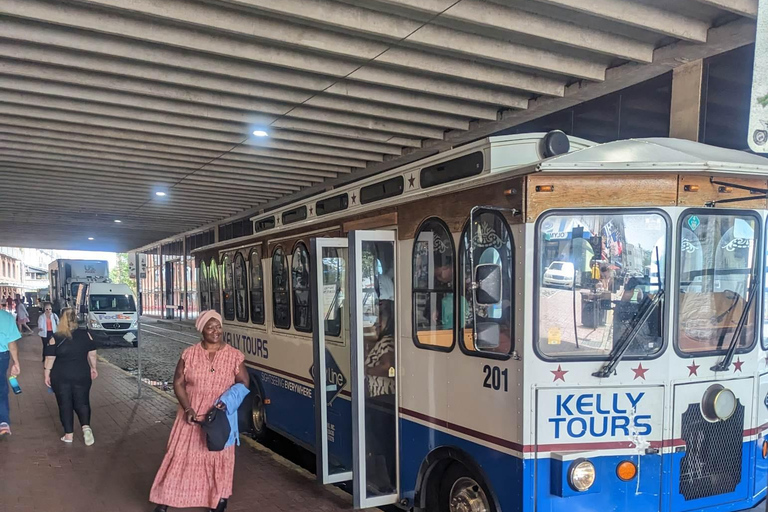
281, 303
203, 287
302, 304
433, 287
257, 288
718, 254
241, 289
228, 288
491, 243
334, 284
214, 280
598, 274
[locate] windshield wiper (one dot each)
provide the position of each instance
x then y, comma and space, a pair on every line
728, 358
628, 337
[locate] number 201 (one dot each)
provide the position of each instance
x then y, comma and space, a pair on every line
496, 378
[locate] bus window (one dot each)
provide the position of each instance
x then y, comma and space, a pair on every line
718, 254
281, 303
213, 280
433, 286
257, 288
334, 284
597, 276
302, 305
202, 279
492, 244
241, 289
228, 288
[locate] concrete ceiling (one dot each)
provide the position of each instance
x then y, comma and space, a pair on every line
105, 102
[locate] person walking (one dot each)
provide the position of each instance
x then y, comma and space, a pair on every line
190, 475
22, 316
70, 367
9, 355
47, 324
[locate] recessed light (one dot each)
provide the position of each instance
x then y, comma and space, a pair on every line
160, 194
118, 221
260, 133
90, 238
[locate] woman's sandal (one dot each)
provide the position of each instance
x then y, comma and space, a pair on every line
64, 438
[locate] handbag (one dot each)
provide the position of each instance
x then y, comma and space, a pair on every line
216, 427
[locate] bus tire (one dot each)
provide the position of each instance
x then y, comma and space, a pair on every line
461, 490
258, 413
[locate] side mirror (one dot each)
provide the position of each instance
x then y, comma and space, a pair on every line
83, 310
488, 284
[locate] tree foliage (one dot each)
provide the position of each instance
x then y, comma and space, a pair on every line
120, 272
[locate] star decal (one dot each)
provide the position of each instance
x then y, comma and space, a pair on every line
737, 365
693, 368
639, 371
411, 181
354, 197
559, 374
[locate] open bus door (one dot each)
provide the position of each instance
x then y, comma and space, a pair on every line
370, 280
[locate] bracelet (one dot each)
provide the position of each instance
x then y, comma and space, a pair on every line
188, 409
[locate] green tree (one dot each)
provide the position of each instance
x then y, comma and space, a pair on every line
120, 273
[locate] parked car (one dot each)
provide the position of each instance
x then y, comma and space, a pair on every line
559, 273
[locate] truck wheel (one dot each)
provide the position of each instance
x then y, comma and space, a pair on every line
460, 491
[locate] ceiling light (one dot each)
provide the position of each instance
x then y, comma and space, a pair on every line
160, 194
118, 221
260, 133
90, 238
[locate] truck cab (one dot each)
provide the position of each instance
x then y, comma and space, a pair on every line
108, 311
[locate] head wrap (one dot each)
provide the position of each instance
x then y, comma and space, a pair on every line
204, 317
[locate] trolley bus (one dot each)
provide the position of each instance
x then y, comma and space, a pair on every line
524, 323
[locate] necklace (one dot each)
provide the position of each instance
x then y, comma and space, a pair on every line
211, 361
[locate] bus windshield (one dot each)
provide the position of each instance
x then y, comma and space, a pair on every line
597, 276
718, 254
117, 303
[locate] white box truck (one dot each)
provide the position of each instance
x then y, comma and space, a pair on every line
108, 311
67, 275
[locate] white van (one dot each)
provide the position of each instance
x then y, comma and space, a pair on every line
108, 311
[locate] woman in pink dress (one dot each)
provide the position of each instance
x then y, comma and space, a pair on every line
190, 475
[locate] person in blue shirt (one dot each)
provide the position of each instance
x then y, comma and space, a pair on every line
9, 354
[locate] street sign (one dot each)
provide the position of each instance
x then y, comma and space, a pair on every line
132, 265
758, 110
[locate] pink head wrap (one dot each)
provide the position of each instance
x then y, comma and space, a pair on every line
204, 317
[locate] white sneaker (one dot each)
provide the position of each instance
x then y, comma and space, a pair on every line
88, 436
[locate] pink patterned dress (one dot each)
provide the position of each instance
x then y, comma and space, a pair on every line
190, 475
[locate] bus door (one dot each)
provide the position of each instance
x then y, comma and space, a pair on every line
372, 278
331, 367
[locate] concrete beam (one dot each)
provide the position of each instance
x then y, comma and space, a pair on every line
685, 110
746, 8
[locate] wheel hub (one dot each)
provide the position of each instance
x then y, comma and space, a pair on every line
467, 496
257, 413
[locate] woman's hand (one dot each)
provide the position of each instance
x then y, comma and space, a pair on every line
94, 373
190, 415
48, 378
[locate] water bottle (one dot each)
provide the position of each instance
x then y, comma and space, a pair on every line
14, 384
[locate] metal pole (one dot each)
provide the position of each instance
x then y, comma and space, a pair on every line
138, 322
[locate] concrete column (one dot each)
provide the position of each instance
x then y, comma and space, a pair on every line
685, 110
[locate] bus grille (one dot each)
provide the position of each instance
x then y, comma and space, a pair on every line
712, 462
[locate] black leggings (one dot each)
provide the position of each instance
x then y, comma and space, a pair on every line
73, 397
45, 339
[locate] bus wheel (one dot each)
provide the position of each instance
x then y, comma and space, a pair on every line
460, 492
258, 414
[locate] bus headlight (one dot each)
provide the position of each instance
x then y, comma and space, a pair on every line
581, 475
718, 403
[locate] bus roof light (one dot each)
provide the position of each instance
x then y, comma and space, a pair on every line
545, 188
691, 188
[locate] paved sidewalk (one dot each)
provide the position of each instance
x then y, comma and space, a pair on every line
40, 473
